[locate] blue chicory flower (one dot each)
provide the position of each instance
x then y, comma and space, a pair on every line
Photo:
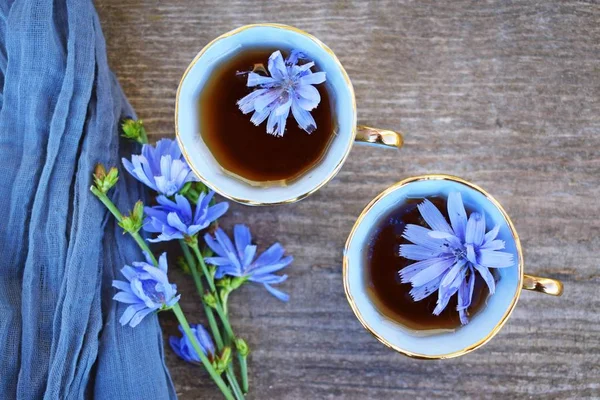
182, 346
175, 220
448, 255
161, 168
147, 289
239, 260
290, 87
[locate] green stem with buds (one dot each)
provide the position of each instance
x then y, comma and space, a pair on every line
222, 314
205, 361
119, 217
176, 308
212, 322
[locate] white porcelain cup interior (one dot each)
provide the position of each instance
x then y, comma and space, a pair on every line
224, 47
438, 345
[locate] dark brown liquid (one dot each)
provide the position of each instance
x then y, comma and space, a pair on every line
247, 150
392, 297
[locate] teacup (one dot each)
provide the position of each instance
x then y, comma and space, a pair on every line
484, 325
341, 92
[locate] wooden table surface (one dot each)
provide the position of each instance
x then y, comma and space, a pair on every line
505, 94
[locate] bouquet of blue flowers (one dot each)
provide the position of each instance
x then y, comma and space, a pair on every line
186, 211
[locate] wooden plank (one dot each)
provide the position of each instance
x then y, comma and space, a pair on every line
505, 94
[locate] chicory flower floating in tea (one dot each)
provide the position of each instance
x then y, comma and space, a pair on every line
290, 87
175, 220
183, 347
238, 260
448, 255
161, 168
147, 289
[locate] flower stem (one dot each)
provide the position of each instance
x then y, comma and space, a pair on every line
244, 372
231, 378
177, 309
212, 322
119, 217
209, 278
234, 383
209, 367
223, 315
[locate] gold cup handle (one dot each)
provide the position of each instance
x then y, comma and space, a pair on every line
381, 137
543, 285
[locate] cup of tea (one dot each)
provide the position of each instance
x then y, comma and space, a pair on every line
238, 159
400, 234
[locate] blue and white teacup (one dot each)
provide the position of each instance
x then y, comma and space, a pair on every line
487, 322
341, 92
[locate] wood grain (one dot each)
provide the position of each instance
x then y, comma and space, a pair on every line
503, 93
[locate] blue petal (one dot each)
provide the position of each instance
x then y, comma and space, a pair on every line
495, 259
455, 270
475, 229
267, 98
493, 245
271, 279
174, 221
411, 270
294, 56
270, 256
164, 201
471, 256
259, 117
276, 66
421, 236
126, 297
183, 207
491, 235
246, 103
421, 292
128, 272
137, 318
166, 237
309, 93
174, 342
417, 253
157, 274
124, 286
432, 272
487, 277
277, 293
303, 118
465, 293
162, 263
242, 237
204, 339
128, 166
255, 79
313, 79
457, 214
444, 294
248, 256
434, 217
204, 201
130, 312
270, 268
218, 261
277, 120
214, 245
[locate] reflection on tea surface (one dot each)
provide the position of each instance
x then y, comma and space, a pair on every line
246, 150
392, 297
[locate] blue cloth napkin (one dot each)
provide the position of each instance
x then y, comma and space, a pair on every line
59, 249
